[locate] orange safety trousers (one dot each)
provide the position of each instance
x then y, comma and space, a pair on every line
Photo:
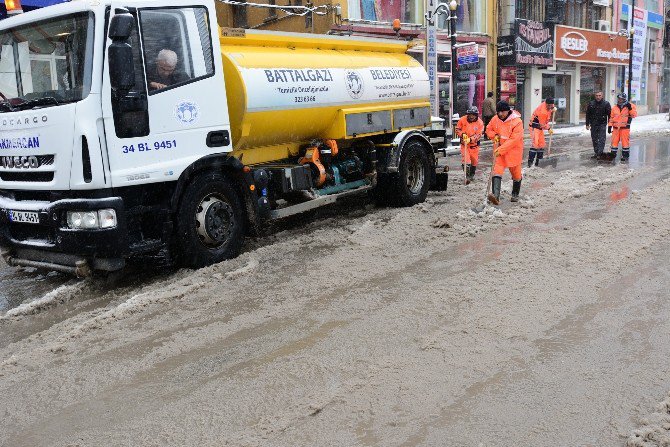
620, 135
538, 138
499, 170
469, 155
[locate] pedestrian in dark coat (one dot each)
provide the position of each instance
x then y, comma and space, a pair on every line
597, 114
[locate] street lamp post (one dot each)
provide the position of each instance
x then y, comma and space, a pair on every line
454, 66
431, 18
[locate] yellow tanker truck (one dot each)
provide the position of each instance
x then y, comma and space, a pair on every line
185, 136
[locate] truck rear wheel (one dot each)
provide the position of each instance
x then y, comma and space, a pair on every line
210, 222
410, 185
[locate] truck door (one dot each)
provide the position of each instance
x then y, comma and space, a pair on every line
177, 111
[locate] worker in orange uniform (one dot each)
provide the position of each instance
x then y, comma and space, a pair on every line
470, 129
619, 126
539, 122
506, 131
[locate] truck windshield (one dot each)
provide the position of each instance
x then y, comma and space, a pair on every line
46, 63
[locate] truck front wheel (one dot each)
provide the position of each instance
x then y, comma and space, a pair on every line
412, 181
210, 222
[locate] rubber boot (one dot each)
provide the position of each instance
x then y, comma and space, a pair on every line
531, 157
516, 188
494, 197
614, 151
625, 153
540, 156
466, 172
473, 169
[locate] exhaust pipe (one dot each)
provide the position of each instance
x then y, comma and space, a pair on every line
80, 270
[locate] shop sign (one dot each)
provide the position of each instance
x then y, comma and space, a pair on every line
533, 43
639, 45
654, 20
506, 51
561, 103
584, 45
467, 54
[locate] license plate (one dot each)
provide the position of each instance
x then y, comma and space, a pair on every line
24, 217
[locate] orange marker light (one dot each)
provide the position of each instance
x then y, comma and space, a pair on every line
396, 25
13, 7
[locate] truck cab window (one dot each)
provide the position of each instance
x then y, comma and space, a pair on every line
47, 63
177, 46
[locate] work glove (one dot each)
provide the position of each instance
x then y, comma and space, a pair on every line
551, 131
496, 139
609, 129
465, 139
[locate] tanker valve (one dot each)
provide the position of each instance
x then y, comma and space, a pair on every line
313, 157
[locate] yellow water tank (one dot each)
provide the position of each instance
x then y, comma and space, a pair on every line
284, 88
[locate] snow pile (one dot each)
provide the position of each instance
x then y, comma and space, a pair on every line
655, 430
57, 296
646, 124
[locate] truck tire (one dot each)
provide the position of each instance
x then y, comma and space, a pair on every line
210, 222
410, 185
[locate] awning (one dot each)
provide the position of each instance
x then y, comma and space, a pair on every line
39, 3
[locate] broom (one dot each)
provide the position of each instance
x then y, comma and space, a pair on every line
551, 136
489, 195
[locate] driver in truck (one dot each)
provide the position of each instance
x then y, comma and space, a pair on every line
165, 72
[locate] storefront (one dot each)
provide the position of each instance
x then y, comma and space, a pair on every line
471, 78
529, 49
586, 62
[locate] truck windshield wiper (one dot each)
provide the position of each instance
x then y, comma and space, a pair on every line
45, 101
7, 106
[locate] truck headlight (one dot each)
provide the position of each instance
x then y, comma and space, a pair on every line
91, 220
107, 218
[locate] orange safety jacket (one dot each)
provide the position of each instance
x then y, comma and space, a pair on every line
541, 117
622, 115
510, 132
472, 130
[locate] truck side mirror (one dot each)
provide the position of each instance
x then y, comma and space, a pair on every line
121, 66
121, 25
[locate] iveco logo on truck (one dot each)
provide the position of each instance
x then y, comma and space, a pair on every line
29, 162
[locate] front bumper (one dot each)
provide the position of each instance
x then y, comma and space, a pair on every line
50, 241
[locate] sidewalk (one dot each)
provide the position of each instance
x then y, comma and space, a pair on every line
642, 124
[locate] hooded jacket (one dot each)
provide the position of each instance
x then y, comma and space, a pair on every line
511, 138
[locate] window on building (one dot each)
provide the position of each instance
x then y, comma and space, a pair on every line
240, 19
408, 11
470, 17
531, 10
